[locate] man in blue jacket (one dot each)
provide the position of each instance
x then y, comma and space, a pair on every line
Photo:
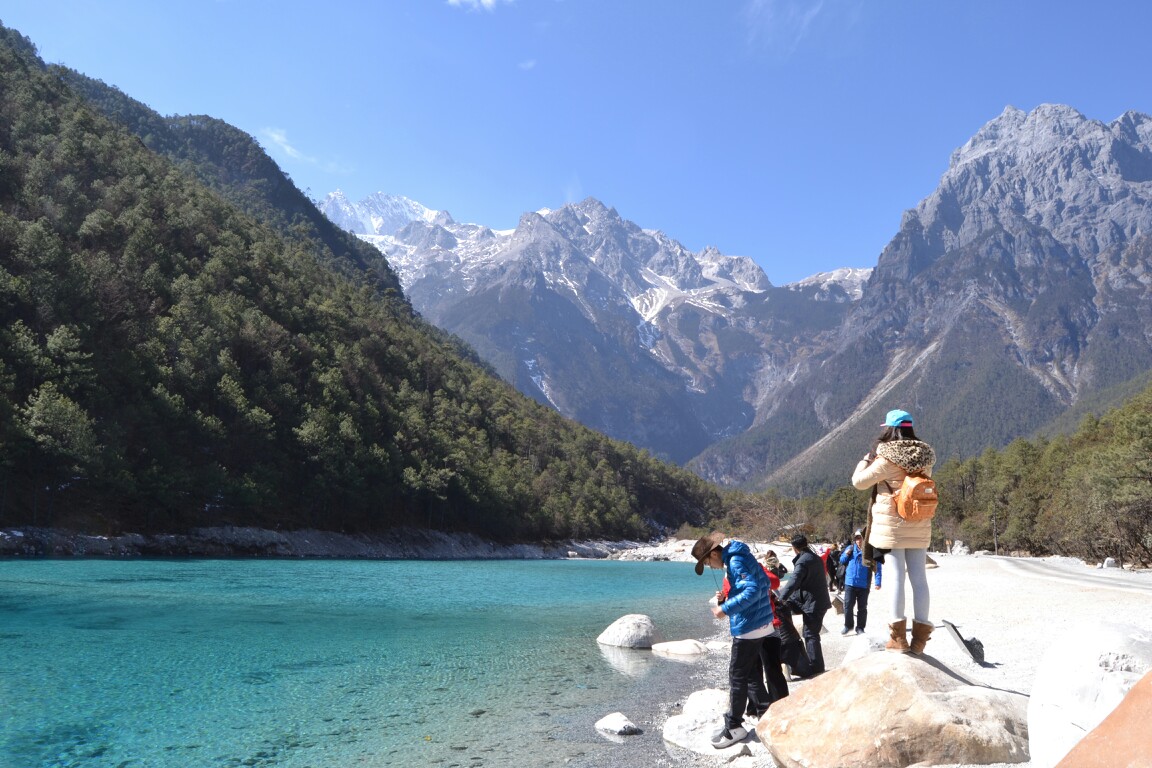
749, 611
856, 585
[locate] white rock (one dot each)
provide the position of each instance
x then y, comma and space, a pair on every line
1080, 680
1110, 562
634, 630
702, 717
618, 724
680, 648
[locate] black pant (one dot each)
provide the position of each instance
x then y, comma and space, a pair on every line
813, 623
855, 600
770, 654
744, 667
792, 650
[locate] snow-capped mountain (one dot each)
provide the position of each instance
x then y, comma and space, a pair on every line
845, 284
620, 327
378, 214
1014, 295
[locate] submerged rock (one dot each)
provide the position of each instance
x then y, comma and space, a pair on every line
680, 648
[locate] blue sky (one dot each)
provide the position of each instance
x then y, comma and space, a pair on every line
792, 131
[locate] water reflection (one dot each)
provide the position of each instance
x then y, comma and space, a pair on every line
634, 662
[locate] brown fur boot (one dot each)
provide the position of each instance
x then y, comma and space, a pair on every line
899, 641
921, 631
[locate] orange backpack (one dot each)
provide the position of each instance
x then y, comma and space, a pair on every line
916, 498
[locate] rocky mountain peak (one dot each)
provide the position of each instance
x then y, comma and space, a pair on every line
377, 214
1050, 170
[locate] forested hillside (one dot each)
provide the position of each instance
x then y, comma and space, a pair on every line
180, 349
1086, 494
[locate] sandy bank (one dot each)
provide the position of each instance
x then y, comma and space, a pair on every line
1016, 607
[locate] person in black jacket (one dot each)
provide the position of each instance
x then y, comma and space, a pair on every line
808, 592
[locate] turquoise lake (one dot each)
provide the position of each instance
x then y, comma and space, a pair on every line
326, 664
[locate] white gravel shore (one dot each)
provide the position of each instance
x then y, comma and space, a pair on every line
1015, 606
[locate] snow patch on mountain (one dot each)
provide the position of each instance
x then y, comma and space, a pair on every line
377, 214
849, 280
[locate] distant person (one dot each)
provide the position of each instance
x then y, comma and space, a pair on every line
897, 453
773, 564
792, 651
856, 577
841, 567
808, 591
824, 556
832, 563
748, 607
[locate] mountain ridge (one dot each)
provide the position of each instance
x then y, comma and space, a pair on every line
1016, 278
635, 297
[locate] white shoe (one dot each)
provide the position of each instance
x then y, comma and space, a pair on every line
729, 736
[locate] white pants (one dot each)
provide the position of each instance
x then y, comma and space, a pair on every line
911, 562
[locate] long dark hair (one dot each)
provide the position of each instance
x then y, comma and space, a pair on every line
894, 433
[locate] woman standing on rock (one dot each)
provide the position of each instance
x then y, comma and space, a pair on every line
898, 453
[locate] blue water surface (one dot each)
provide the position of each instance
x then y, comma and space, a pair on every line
319, 663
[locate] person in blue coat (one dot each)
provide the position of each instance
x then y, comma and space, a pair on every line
856, 578
748, 606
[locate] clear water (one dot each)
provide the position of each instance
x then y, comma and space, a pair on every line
148, 664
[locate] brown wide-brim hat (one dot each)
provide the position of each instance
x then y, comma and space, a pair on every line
704, 546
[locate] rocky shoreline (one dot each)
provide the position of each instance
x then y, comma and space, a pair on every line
229, 541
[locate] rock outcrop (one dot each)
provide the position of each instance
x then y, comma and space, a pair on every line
1080, 680
890, 711
1121, 740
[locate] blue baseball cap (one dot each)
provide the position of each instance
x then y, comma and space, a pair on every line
897, 419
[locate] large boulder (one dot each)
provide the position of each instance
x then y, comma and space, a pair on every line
1081, 678
894, 710
1121, 741
634, 630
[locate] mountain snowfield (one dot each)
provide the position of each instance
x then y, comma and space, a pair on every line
473, 248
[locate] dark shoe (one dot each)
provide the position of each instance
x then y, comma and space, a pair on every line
729, 736
859, 630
